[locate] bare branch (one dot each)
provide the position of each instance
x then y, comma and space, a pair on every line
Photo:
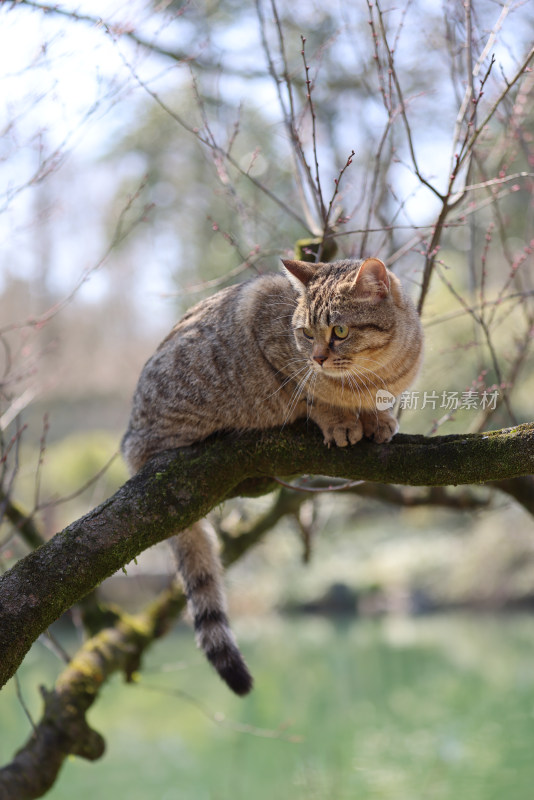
120, 234
496, 104
309, 88
218, 150
473, 72
402, 105
302, 170
124, 30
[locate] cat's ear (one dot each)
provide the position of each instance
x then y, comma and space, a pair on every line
372, 280
300, 272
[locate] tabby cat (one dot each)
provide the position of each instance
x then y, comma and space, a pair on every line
317, 342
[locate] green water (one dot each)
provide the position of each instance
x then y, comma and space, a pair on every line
396, 710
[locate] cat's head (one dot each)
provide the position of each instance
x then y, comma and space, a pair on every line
346, 312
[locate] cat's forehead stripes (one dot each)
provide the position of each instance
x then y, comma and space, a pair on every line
332, 298
327, 288
318, 309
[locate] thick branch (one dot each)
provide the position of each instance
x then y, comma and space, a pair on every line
63, 729
177, 488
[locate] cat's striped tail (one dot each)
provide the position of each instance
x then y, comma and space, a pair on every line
197, 557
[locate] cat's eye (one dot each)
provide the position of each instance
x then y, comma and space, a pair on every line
308, 333
340, 331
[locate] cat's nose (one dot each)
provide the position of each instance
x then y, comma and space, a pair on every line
320, 359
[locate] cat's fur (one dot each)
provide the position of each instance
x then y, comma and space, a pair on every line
241, 360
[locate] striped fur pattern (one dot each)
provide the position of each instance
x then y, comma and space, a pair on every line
199, 565
317, 342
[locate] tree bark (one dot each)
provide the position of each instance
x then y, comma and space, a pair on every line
179, 487
63, 729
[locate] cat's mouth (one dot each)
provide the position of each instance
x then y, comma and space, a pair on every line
330, 370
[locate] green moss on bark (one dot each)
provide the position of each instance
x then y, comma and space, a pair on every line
177, 488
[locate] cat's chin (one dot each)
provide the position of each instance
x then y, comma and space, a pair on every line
331, 372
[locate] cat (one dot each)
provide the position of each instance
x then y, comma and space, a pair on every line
316, 342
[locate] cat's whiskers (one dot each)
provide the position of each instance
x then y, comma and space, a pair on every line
283, 316
355, 391
279, 303
383, 386
361, 370
288, 378
362, 379
311, 391
295, 360
373, 409
365, 379
381, 364
293, 400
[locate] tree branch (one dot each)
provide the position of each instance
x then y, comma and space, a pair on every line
521, 489
23, 523
178, 487
63, 729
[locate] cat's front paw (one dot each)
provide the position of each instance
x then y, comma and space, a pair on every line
343, 433
380, 426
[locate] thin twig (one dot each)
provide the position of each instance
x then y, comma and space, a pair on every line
311, 107
87, 485
220, 151
22, 701
402, 106
321, 489
302, 171
218, 718
118, 237
474, 73
519, 72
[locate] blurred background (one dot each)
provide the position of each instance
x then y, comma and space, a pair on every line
152, 153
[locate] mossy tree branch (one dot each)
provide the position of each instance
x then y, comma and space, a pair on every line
178, 487
63, 729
